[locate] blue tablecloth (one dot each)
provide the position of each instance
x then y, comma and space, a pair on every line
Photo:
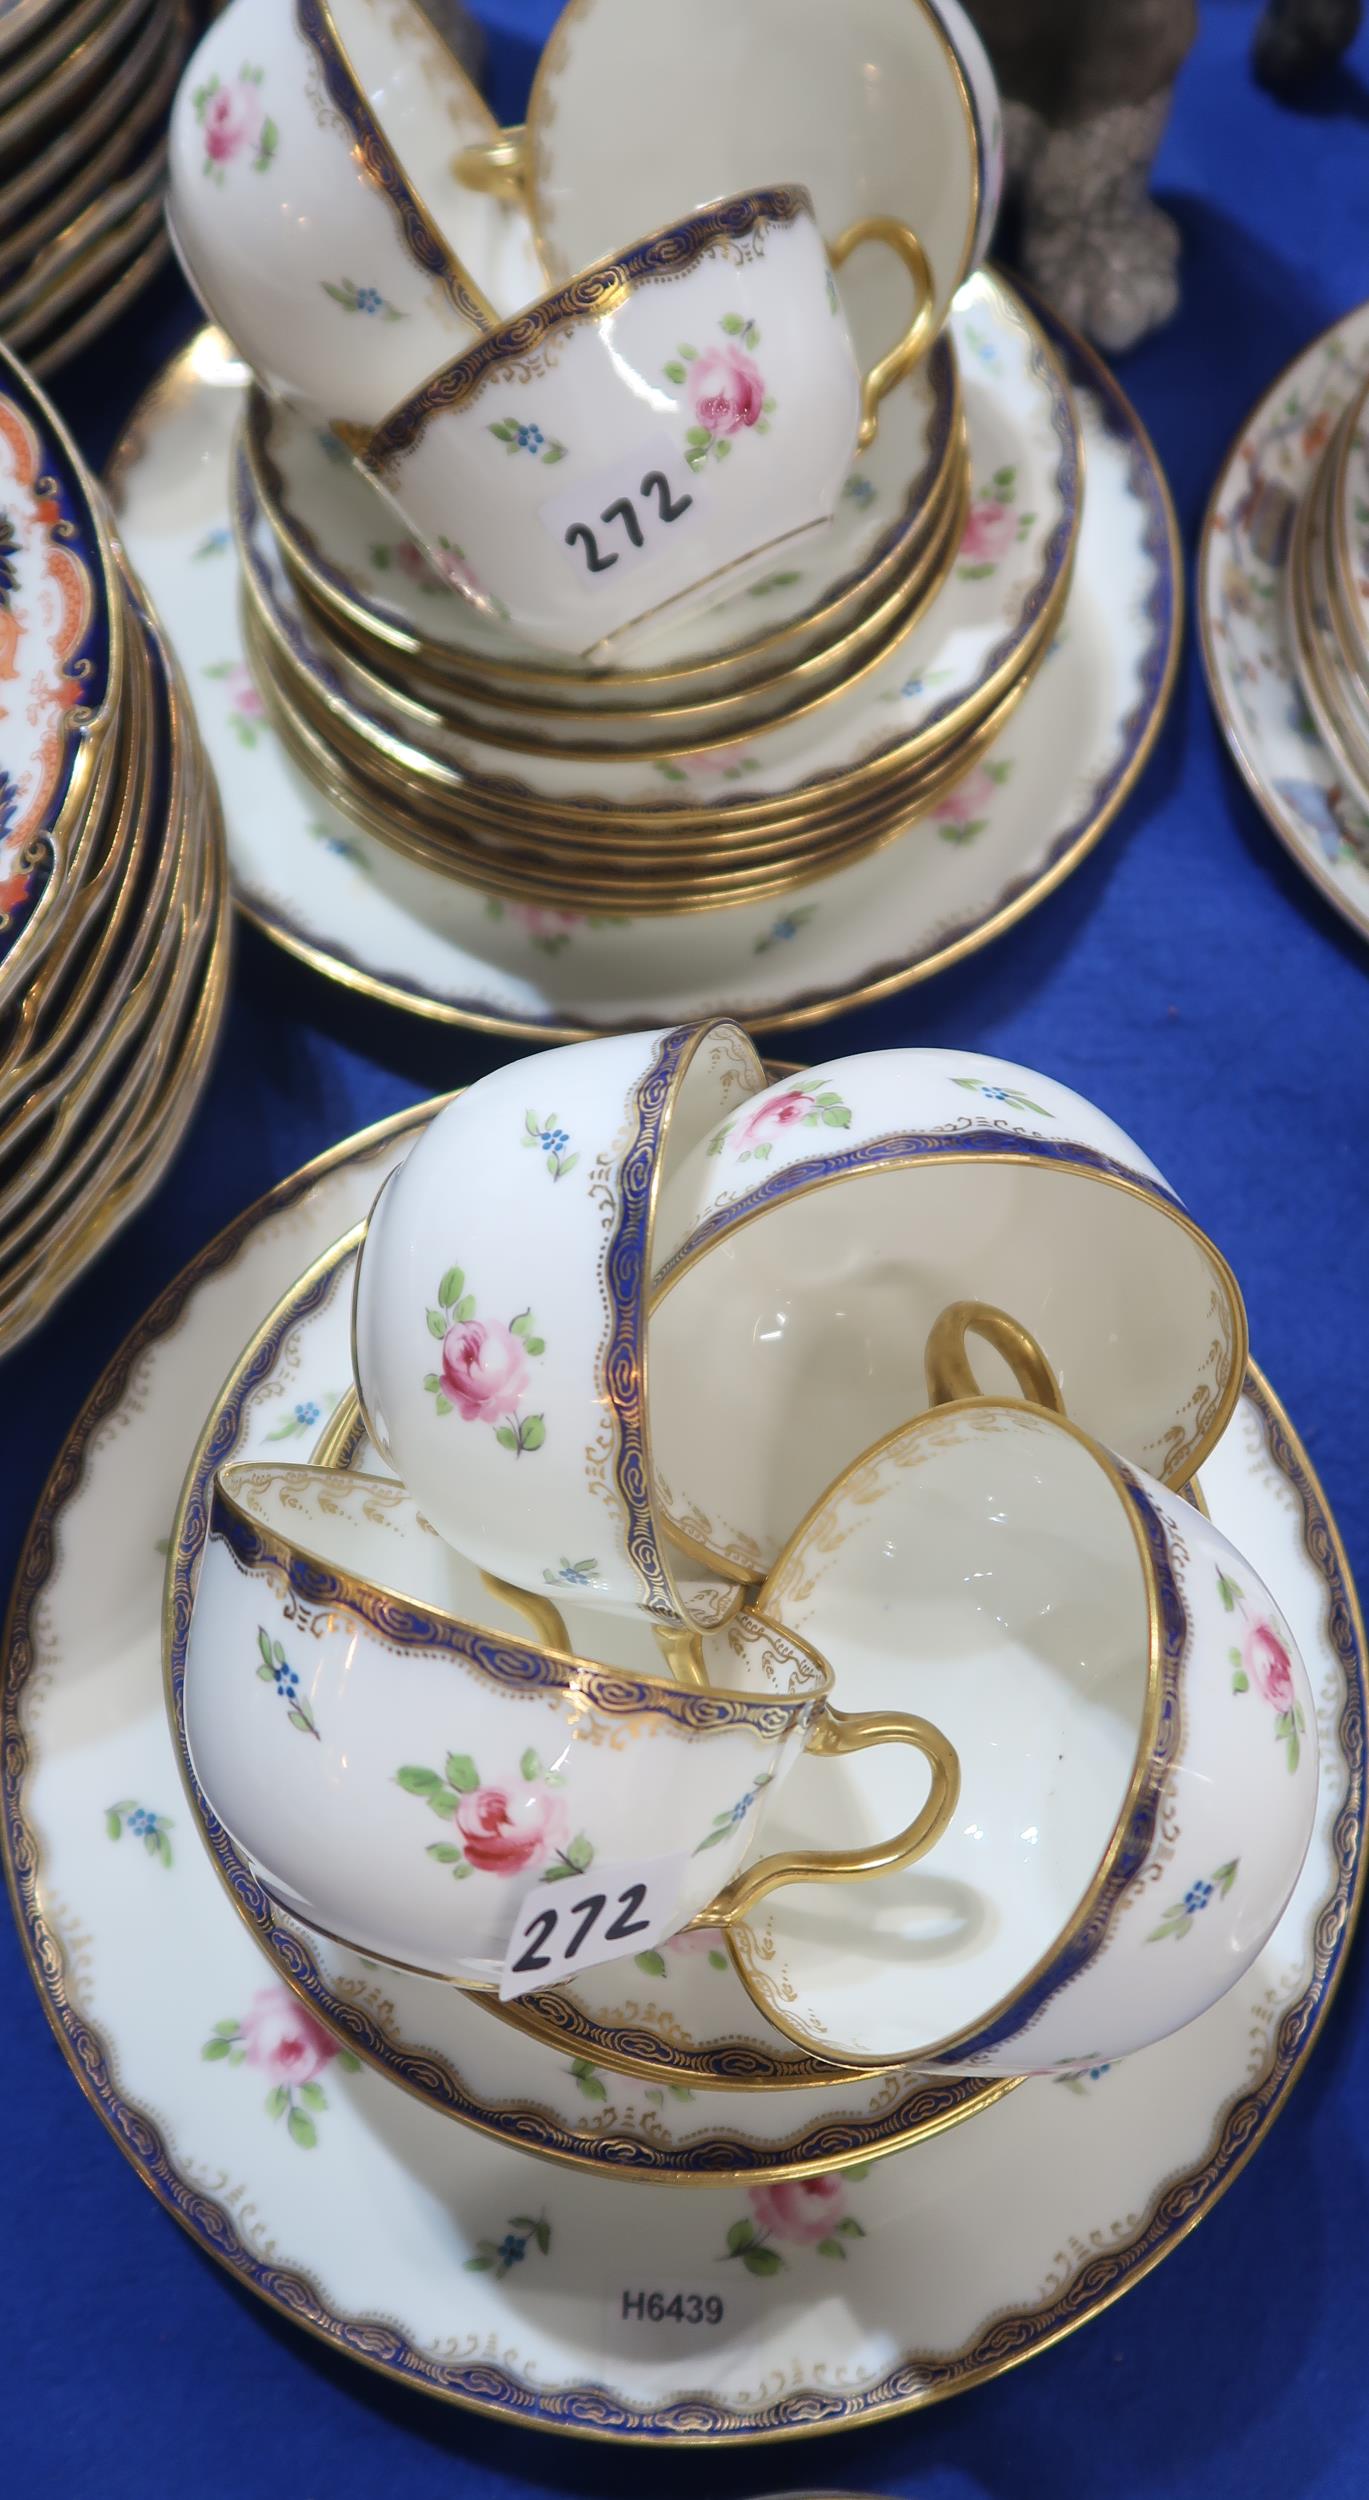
1190, 980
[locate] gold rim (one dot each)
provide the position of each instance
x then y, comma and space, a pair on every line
76, 49
441, 660
50, 1053
1329, 700
139, 127
1181, 1468
1295, 840
95, 258
75, 829
53, 260
36, 57
428, 703
1173, 2209
477, 309
358, 1595
1143, 1769
323, 1270
593, 295
80, 136
332, 965
434, 824
418, 781
671, 894
1342, 566
103, 309
1029, 639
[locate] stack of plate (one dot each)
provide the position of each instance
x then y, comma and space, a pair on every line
85, 89
721, 767
1328, 595
113, 894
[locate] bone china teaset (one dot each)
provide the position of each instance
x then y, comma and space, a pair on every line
766, 1514
770, 1510
743, 1678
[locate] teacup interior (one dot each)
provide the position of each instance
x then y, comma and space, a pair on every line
860, 103
370, 1528
797, 1339
983, 1571
429, 111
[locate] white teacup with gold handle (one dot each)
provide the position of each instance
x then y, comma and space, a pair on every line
401, 1775
1135, 1729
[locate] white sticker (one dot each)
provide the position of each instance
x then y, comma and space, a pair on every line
625, 516
570, 1920
656, 2319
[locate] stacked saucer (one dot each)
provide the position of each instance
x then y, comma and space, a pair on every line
85, 89
113, 891
748, 758
757, 2278
1328, 595
510, 1662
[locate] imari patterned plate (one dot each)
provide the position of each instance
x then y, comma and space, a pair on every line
61, 659
465, 2267
982, 856
1244, 623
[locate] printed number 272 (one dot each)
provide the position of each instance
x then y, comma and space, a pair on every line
624, 512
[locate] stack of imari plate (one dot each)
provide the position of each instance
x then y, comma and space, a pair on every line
113, 897
85, 89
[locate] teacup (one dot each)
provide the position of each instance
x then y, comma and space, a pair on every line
884, 106
310, 162
334, 1722
1135, 1730
499, 1335
822, 1228
672, 414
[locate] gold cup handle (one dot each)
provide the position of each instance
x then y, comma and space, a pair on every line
902, 357
497, 165
950, 1375
841, 1732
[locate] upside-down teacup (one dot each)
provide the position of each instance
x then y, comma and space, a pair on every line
401, 1776
1136, 1736
313, 206
821, 1229
677, 411
500, 1332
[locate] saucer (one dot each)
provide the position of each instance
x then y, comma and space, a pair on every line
346, 547
978, 861
462, 2267
1348, 529
430, 2036
61, 659
1242, 616
974, 639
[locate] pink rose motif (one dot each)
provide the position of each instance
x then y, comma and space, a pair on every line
1269, 1666
803, 2211
451, 565
990, 529
243, 692
726, 390
540, 923
484, 1370
773, 1116
969, 799
232, 121
500, 1839
722, 760
695, 1940
282, 2037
